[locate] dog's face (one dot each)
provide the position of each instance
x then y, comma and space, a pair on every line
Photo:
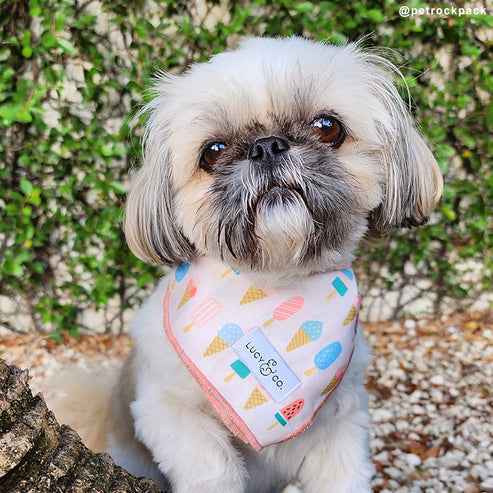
278, 157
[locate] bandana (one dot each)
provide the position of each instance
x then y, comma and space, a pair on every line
267, 359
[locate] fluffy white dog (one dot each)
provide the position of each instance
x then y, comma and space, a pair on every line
263, 169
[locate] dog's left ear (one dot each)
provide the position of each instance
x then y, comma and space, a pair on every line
412, 179
152, 231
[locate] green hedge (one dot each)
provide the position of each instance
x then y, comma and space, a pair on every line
71, 77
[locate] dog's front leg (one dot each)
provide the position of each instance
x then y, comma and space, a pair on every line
341, 464
191, 447
338, 457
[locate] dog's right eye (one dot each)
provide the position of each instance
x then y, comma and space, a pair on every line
211, 154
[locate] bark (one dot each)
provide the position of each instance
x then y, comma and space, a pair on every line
37, 455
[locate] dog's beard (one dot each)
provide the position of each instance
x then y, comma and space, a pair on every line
273, 218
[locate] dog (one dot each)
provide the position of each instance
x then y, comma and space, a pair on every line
263, 168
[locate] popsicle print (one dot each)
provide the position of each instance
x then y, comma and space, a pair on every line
226, 336
180, 273
308, 332
325, 357
231, 269
288, 413
339, 285
204, 313
286, 309
240, 369
190, 291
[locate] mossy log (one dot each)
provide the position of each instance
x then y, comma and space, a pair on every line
37, 455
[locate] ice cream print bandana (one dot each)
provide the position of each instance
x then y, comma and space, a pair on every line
267, 359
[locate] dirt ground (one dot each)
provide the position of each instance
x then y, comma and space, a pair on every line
430, 385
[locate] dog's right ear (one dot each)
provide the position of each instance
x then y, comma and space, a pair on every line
151, 229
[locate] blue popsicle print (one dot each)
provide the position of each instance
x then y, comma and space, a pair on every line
324, 358
180, 273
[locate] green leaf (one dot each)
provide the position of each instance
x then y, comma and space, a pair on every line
375, 15
66, 46
26, 186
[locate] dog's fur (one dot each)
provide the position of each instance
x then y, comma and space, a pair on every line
302, 211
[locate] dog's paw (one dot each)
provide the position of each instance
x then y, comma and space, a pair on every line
294, 487
211, 471
207, 485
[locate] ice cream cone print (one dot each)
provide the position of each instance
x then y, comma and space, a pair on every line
190, 291
335, 380
253, 294
350, 316
300, 339
308, 332
256, 399
216, 346
226, 336
287, 413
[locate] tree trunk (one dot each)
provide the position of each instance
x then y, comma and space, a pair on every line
37, 455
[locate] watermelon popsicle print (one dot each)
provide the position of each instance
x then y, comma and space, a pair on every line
308, 332
324, 358
288, 413
204, 313
286, 310
226, 336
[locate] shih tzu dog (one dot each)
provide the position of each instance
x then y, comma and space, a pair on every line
263, 170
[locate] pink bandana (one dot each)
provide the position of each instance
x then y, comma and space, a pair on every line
267, 359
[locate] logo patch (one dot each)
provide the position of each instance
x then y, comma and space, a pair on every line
266, 364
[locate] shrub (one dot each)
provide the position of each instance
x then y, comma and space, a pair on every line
72, 74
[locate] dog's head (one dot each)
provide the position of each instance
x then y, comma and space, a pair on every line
278, 157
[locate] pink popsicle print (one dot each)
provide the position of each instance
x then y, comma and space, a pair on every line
204, 313
286, 310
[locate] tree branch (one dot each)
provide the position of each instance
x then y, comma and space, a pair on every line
39, 455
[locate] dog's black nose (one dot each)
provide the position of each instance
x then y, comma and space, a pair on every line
267, 148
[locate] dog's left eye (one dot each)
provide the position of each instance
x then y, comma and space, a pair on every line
329, 130
211, 154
